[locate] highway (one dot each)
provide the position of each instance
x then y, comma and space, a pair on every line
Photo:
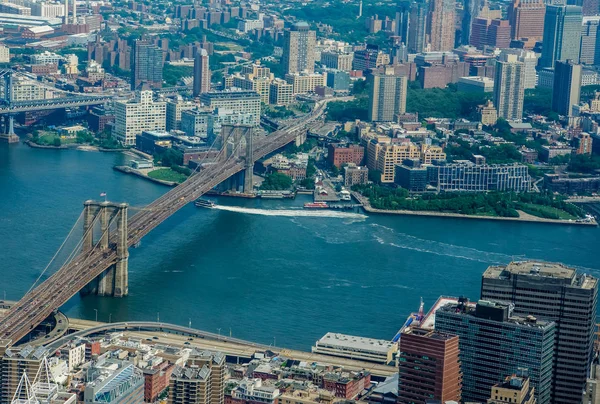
176, 335
40, 302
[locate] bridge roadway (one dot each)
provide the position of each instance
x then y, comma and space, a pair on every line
177, 335
54, 103
40, 302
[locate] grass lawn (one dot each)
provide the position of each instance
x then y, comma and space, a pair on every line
532, 208
167, 174
47, 138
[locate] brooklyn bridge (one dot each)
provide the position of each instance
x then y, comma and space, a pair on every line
101, 264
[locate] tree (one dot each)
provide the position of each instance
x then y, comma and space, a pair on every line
57, 142
276, 181
334, 170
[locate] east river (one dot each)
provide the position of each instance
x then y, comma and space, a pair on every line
249, 269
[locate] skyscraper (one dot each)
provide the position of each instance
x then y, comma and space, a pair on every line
402, 20
417, 26
590, 7
201, 73
509, 87
494, 343
589, 53
530, 60
527, 20
562, 34
387, 96
429, 366
471, 11
567, 87
553, 292
146, 64
442, 29
299, 49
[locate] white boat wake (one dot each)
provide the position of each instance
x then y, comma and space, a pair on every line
292, 212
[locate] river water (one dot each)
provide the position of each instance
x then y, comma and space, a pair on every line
266, 271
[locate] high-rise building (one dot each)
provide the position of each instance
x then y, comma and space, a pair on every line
216, 362
281, 92
494, 343
175, 107
442, 30
527, 20
4, 54
402, 20
146, 64
530, 60
509, 87
553, 292
14, 364
299, 49
201, 72
387, 96
567, 87
562, 34
589, 7
471, 11
417, 27
429, 366
589, 53
337, 60
132, 117
190, 385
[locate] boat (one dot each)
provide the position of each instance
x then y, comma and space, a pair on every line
203, 203
315, 205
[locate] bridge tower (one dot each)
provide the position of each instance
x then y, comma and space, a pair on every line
8, 135
238, 142
114, 281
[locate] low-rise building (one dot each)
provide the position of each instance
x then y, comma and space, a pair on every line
359, 348
475, 84
338, 155
355, 175
281, 92
467, 176
305, 82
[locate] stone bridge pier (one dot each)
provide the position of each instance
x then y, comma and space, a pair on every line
113, 281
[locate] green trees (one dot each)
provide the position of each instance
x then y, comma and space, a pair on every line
348, 111
276, 181
172, 74
585, 164
169, 158
443, 102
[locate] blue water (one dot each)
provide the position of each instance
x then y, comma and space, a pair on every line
292, 278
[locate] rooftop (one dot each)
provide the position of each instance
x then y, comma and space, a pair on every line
343, 341
534, 268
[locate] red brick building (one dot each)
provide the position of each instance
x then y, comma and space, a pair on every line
429, 367
156, 380
339, 155
346, 385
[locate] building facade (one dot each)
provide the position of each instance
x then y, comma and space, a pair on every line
461, 177
562, 34
241, 102
146, 65
299, 49
527, 20
442, 29
567, 87
509, 87
553, 292
387, 96
429, 367
135, 116
495, 344
201, 72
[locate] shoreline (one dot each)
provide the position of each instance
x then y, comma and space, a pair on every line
523, 218
129, 170
73, 146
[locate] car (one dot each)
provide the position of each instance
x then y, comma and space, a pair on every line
186, 343
190, 339
155, 337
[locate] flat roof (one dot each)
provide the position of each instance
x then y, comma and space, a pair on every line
537, 268
343, 341
428, 321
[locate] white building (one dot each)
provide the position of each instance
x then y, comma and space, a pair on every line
43, 9
509, 87
244, 102
359, 348
4, 54
175, 107
132, 117
197, 123
46, 58
75, 355
530, 61
305, 82
248, 25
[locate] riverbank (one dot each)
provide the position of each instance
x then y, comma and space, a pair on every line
133, 171
78, 146
523, 217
